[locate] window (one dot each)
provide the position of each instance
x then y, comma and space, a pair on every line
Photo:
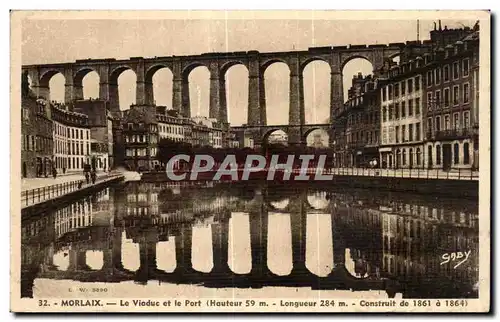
466, 153
456, 121
87, 135
403, 132
72, 133
417, 131
446, 122
397, 134
456, 94
430, 102
404, 163
403, 109
465, 67
390, 92
438, 123
130, 126
438, 154
466, 93
455, 70
429, 125
446, 94
417, 106
410, 86
438, 75
456, 151
446, 73
396, 90
391, 111
81, 134
429, 155
403, 88
410, 132
384, 114
397, 111
410, 107
429, 78
417, 83
466, 120
438, 99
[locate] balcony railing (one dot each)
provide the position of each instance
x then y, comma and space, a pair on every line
449, 134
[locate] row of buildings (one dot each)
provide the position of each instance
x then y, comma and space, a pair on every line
143, 126
419, 113
64, 137
67, 137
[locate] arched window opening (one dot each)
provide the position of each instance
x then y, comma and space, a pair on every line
277, 87
236, 82
355, 69
199, 91
316, 82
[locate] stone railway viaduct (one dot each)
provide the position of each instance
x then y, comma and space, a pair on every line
218, 64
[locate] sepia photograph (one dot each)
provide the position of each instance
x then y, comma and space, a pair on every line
250, 161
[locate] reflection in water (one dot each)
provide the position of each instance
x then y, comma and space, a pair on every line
202, 248
130, 250
319, 247
165, 255
240, 258
279, 244
258, 236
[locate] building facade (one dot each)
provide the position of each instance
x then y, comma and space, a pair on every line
101, 132
401, 113
71, 133
37, 143
358, 124
171, 125
140, 134
452, 92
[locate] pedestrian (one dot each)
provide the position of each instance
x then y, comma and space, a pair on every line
94, 176
54, 172
87, 177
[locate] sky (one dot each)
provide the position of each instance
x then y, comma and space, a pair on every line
57, 41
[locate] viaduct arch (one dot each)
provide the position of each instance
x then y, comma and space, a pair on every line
218, 65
